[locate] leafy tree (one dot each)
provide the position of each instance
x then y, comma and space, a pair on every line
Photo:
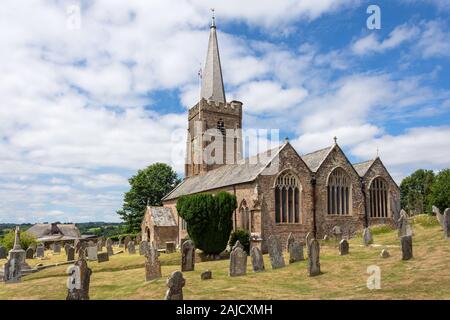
26, 240
415, 191
209, 219
244, 238
440, 190
149, 185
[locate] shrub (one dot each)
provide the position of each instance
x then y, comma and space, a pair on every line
209, 219
244, 238
26, 240
425, 220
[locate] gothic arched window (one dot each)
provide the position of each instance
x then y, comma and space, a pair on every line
287, 199
244, 216
378, 198
338, 192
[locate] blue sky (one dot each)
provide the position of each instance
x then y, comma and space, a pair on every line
85, 105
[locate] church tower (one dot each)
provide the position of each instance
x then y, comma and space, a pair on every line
214, 131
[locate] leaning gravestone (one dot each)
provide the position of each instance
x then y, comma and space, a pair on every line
446, 225
295, 252
257, 259
102, 257
188, 256
314, 258
439, 216
12, 272
238, 261
79, 280
29, 253
275, 252
404, 227
3, 253
131, 247
343, 247
40, 251
406, 244
152, 264
71, 253
57, 248
367, 237
290, 240
92, 253
175, 283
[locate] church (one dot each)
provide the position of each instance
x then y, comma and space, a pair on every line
280, 191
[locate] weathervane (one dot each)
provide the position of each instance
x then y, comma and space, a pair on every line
213, 18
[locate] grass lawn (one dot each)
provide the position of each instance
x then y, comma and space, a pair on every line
426, 276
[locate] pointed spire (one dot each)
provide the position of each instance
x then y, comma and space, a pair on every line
212, 81
17, 245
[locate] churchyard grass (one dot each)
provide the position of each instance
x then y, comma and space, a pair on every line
426, 276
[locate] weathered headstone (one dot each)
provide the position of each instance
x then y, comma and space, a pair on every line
367, 237
295, 252
3, 253
70, 253
29, 253
126, 241
170, 247
206, 275
238, 261
17, 252
337, 233
79, 279
40, 251
175, 283
257, 259
109, 247
439, 216
91, 243
143, 247
446, 225
99, 245
152, 263
131, 247
92, 253
102, 257
275, 252
57, 248
314, 258
188, 256
384, 253
404, 227
343, 247
308, 239
407, 250
290, 240
12, 271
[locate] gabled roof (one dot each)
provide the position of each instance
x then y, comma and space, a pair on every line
244, 171
363, 167
162, 216
41, 230
315, 159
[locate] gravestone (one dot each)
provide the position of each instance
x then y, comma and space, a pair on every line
102, 257
40, 251
79, 279
314, 258
238, 261
77, 245
131, 247
12, 272
406, 244
92, 253
206, 275
17, 252
29, 254
404, 227
188, 256
257, 259
308, 239
275, 252
126, 241
367, 237
109, 247
99, 245
152, 263
3, 253
175, 283
66, 248
57, 248
290, 240
143, 247
170, 247
91, 243
295, 252
446, 225
71, 253
337, 233
439, 216
343, 247
384, 253
120, 243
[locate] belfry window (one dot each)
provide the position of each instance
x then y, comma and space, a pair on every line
338, 193
287, 199
378, 198
221, 126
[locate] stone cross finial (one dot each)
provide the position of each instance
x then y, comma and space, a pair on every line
335, 140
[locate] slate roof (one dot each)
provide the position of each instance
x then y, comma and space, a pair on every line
44, 230
162, 216
362, 167
314, 159
245, 171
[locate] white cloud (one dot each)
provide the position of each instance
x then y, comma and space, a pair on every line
435, 40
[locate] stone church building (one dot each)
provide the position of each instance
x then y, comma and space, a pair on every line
281, 190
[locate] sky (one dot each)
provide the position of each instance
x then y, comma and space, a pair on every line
89, 99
